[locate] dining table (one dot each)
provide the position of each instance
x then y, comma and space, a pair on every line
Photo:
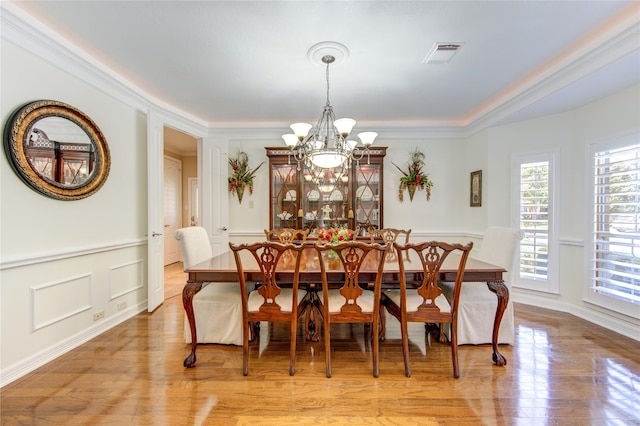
222, 268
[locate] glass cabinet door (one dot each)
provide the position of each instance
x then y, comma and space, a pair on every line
325, 202
77, 161
284, 196
367, 196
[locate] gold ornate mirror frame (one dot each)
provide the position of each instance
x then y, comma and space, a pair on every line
22, 139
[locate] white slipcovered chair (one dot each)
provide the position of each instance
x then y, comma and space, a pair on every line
477, 304
217, 307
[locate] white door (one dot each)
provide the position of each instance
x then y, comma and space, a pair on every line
172, 208
193, 202
155, 220
213, 171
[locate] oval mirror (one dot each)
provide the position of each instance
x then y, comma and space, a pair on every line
57, 150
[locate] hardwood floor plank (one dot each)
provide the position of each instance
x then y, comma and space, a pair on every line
342, 420
562, 370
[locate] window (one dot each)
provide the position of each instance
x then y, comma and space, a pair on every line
614, 253
534, 220
533, 214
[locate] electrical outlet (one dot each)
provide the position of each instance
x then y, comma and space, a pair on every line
98, 315
122, 305
250, 204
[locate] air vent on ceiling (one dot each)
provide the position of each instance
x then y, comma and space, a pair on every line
442, 53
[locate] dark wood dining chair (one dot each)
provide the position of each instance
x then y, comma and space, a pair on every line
287, 235
423, 301
389, 235
269, 301
350, 303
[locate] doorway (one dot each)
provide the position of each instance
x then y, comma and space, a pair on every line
172, 207
180, 171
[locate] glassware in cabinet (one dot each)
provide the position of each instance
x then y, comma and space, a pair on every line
284, 196
353, 199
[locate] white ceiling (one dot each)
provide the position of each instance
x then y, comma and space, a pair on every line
244, 63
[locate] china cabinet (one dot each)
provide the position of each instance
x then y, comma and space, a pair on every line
62, 162
305, 199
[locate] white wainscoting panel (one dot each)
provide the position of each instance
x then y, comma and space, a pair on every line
125, 278
59, 300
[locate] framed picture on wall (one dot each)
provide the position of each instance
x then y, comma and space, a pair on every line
475, 197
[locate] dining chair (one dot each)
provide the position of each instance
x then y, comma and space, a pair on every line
389, 235
350, 303
422, 301
287, 235
270, 302
477, 305
217, 307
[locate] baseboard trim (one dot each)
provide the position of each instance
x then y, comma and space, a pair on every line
20, 369
609, 322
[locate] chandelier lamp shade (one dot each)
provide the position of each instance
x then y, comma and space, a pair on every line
327, 146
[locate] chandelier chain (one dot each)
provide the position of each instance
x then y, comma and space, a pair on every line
328, 83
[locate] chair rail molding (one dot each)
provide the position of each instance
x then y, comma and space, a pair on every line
34, 259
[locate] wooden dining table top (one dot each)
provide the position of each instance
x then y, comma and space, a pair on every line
223, 267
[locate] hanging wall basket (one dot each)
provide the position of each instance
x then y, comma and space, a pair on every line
240, 192
414, 177
241, 176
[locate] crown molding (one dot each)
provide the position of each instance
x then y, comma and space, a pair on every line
615, 41
21, 29
608, 47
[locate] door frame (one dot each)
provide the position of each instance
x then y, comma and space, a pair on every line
211, 171
180, 203
193, 201
155, 210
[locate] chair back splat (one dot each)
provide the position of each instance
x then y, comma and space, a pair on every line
272, 300
388, 235
422, 300
287, 235
351, 303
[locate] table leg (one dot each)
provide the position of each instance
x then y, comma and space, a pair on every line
189, 290
502, 292
383, 325
312, 319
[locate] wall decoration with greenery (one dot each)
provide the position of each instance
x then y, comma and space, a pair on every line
414, 177
241, 176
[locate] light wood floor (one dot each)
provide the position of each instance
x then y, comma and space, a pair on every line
174, 279
561, 371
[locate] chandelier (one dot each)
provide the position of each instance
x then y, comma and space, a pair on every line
328, 146
325, 178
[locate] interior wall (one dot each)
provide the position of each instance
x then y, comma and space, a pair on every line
442, 214
473, 156
251, 216
62, 262
571, 132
